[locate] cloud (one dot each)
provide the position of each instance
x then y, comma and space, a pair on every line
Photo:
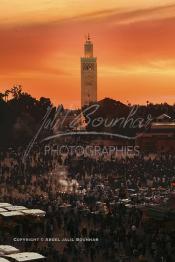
33, 48
121, 15
152, 13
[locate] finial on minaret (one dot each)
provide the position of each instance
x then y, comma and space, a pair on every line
88, 47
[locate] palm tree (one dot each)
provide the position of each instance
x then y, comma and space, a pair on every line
1, 96
6, 94
16, 91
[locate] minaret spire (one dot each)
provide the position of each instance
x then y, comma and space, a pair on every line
88, 47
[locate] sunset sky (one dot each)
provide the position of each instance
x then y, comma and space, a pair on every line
41, 42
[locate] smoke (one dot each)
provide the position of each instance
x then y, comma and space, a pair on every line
62, 182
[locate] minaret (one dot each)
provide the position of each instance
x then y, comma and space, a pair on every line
88, 75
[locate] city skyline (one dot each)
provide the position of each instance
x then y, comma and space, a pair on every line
42, 42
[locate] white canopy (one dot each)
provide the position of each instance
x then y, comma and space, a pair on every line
2, 209
35, 212
15, 208
11, 213
5, 205
8, 249
3, 259
26, 256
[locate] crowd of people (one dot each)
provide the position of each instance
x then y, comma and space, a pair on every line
95, 207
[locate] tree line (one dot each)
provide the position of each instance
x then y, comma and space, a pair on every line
21, 115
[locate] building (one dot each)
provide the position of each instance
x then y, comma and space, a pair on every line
160, 137
88, 75
163, 118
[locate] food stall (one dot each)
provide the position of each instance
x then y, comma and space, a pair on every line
6, 250
25, 256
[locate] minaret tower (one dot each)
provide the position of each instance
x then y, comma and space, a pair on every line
88, 75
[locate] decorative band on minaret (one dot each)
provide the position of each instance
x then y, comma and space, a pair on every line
88, 75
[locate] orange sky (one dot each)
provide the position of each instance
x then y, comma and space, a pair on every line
41, 42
